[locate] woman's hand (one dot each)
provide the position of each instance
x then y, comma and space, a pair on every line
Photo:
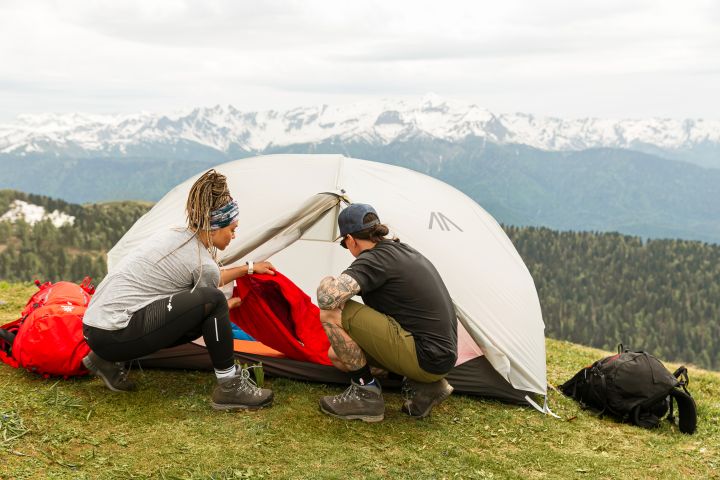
234, 302
264, 267
228, 275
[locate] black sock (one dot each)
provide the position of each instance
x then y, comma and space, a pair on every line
362, 376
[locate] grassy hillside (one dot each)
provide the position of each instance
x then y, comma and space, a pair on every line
78, 429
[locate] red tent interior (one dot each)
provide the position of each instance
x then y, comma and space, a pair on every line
278, 314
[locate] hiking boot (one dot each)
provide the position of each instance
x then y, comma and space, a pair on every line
239, 392
358, 402
113, 374
420, 398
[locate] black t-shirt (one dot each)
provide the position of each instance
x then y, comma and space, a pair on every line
397, 280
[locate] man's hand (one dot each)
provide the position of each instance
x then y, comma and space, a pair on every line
234, 302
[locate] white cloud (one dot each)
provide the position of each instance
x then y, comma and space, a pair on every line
610, 58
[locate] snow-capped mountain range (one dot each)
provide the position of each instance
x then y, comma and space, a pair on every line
228, 129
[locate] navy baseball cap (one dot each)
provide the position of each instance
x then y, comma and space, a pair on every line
350, 220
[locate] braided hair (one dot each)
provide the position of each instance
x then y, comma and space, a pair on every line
208, 193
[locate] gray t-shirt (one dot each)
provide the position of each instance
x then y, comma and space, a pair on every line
150, 273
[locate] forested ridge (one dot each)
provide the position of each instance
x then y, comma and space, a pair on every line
596, 289
45, 252
601, 289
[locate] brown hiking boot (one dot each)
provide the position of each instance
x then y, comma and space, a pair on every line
420, 398
113, 374
239, 392
358, 402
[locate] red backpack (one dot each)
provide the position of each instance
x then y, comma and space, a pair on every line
48, 339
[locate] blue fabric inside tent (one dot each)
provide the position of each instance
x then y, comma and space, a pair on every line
239, 333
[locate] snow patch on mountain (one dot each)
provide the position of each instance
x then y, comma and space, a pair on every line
33, 214
380, 122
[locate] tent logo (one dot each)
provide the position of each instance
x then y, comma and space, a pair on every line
443, 221
67, 308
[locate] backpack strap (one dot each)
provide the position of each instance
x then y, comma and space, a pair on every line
602, 395
643, 418
87, 285
687, 411
682, 375
6, 340
671, 409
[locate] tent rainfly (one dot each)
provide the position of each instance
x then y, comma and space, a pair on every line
288, 214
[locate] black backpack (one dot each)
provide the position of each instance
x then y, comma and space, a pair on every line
635, 387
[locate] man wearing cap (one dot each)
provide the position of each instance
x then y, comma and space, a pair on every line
407, 324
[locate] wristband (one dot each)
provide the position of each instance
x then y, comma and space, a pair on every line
250, 265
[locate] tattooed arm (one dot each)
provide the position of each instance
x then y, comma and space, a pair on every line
333, 292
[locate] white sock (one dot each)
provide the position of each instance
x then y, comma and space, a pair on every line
228, 372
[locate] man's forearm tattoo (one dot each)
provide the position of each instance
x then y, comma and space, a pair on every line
334, 292
345, 347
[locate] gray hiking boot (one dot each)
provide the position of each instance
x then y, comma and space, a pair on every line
239, 392
420, 398
113, 374
358, 402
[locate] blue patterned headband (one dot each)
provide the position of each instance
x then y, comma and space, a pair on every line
224, 216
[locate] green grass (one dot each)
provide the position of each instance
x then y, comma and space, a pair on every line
78, 429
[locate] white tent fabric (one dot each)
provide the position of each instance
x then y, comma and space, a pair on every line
283, 217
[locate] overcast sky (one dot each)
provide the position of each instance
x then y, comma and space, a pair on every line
609, 58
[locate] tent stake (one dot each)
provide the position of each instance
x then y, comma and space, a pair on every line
545, 410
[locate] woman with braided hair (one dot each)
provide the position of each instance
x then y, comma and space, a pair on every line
166, 293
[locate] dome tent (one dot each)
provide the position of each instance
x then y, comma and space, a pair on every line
288, 214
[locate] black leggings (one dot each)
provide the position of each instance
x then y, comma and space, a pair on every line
178, 319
